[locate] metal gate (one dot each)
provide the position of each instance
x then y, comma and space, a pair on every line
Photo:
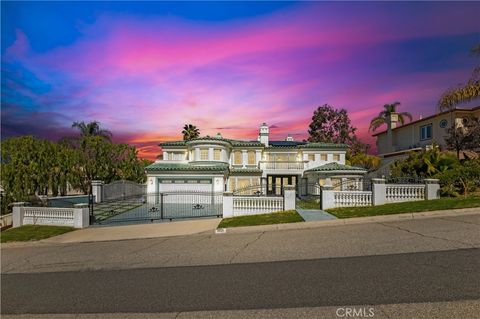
122, 189
309, 195
150, 207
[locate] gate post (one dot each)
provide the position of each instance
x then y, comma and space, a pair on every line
379, 191
161, 205
17, 214
431, 188
328, 197
289, 197
97, 190
227, 204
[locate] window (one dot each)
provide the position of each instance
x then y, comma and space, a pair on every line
443, 123
336, 157
323, 157
251, 158
217, 154
204, 154
311, 157
426, 132
237, 158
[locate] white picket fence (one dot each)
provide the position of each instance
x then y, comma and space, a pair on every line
395, 193
251, 205
352, 198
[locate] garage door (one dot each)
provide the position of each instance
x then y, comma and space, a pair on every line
184, 185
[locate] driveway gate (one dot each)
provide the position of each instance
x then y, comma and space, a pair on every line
150, 207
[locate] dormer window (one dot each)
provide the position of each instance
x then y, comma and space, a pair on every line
323, 157
251, 158
237, 158
336, 157
311, 157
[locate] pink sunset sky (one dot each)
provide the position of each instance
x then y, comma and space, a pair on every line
145, 73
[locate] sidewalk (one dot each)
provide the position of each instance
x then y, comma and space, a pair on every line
358, 220
167, 229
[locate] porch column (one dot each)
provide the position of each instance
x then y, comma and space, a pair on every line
210, 153
244, 158
197, 153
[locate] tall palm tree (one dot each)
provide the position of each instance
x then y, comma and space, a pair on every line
91, 129
464, 92
190, 132
383, 116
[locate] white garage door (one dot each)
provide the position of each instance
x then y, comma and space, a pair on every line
184, 185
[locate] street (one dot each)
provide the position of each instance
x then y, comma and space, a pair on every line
404, 262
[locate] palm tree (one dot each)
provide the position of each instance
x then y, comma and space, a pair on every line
462, 93
190, 132
383, 116
92, 129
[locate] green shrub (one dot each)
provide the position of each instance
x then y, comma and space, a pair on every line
461, 179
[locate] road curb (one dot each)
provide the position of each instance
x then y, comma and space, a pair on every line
356, 220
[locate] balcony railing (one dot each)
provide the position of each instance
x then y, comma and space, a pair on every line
287, 165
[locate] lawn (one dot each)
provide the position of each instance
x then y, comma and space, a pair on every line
33, 232
282, 217
445, 203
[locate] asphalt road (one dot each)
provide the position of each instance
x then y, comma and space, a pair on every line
382, 279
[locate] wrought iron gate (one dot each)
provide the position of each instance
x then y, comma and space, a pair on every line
150, 207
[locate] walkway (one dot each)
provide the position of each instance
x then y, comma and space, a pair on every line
311, 215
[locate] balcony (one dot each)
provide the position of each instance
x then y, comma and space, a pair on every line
284, 165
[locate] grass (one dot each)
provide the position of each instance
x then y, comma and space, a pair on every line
282, 217
33, 232
407, 207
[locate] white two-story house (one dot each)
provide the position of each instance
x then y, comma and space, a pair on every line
218, 164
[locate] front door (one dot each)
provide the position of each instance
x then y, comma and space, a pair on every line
275, 183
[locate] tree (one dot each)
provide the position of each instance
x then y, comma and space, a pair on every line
330, 125
369, 162
190, 132
462, 92
464, 137
388, 109
92, 129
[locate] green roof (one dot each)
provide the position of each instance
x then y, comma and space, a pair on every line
213, 138
186, 167
330, 167
245, 170
173, 143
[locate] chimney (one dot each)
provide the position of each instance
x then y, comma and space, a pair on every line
263, 135
392, 120
289, 138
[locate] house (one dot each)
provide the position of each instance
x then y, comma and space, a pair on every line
217, 164
420, 134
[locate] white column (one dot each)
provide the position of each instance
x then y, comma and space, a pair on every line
80, 216
432, 188
227, 204
342, 158
258, 156
210, 153
223, 155
289, 197
244, 158
328, 197
97, 191
379, 191
197, 153
329, 157
17, 214
165, 155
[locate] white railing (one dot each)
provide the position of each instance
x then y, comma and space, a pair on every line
352, 198
6, 220
250, 205
48, 216
395, 193
292, 165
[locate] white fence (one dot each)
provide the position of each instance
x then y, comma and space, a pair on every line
6, 220
381, 194
48, 216
352, 198
77, 217
251, 205
395, 193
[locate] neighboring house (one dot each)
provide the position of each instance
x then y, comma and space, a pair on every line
420, 134
218, 164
